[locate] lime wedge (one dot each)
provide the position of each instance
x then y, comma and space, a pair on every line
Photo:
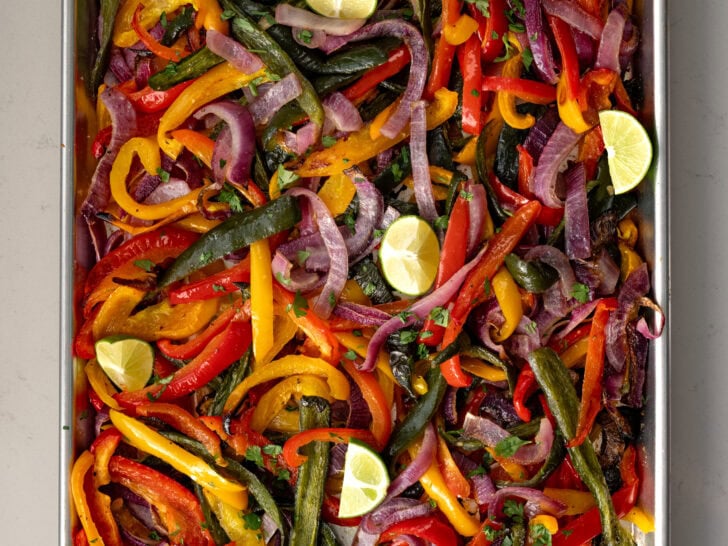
365, 480
409, 255
629, 149
127, 361
344, 9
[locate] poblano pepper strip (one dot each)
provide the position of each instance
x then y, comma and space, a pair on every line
314, 413
531, 275
236, 232
555, 382
234, 375
108, 15
246, 31
211, 523
190, 67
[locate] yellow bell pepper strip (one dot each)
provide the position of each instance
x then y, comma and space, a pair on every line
507, 101
216, 82
467, 154
209, 13
233, 522
337, 192
78, 474
274, 400
641, 519
199, 145
164, 52
509, 299
376, 400
575, 353
359, 345
627, 234
359, 146
148, 440
177, 507
576, 501
459, 32
261, 298
284, 367
196, 223
480, 369
100, 383
158, 321
353, 293
148, 152
436, 488
549, 522
375, 127
336, 435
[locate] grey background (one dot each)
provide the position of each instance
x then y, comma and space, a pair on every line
30, 37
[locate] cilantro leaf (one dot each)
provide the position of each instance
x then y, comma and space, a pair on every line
507, 447
580, 292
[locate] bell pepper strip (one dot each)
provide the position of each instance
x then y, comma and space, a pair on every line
162, 320
644, 521
472, 101
491, 29
579, 333
101, 142
553, 378
216, 82
397, 59
509, 300
336, 435
99, 503
591, 149
83, 341
214, 286
459, 32
527, 90
103, 448
359, 146
81, 467
164, 52
185, 422
290, 365
525, 387
474, 287
595, 87
591, 390
576, 502
316, 329
178, 508
510, 199
430, 528
622, 98
195, 346
154, 247
568, 87
373, 394
125, 35
480, 369
148, 152
201, 146
434, 484
148, 440
100, 383
588, 526
452, 258
274, 400
149, 101
261, 298
233, 522
359, 345
337, 192
451, 473
444, 51
525, 172
507, 101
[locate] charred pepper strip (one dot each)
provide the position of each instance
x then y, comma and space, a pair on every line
556, 384
108, 15
190, 67
245, 30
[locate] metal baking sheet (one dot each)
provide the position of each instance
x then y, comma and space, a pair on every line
78, 16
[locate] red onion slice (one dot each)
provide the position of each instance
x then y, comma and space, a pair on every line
608, 52
310, 38
576, 213
536, 502
477, 206
575, 16
274, 98
418, 466
342, 113
233, 52
361, 314
543, 57
300, 18
633, 289
557, 149
552, 256
420, 163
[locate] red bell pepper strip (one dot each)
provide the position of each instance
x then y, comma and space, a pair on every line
213, 286
83, 341
430, 528
512, 200
569, 59
525, 172
398, 58
327, 434
178, 507
491, 29
99, 503
185, 422
444, 51
527, 90
577, 334
101, 142
371, 391
587, 526
222, 351
591, 390
169, 53
452, 258
525, 387
590, 151
148, 100
624, 102
469, 62
476, 287
103, 448
194, 346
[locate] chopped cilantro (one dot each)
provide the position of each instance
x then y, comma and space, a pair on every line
227, 14
218, 288
273, 450
441, 221
252, 521
407, 336
300, 305
513, 510
580, 292
205, 257
254, 454
302, 256
527, 58
163, 175
478, 471
328, 141
507, 447
475, 92
468, 196
422, 352
281, 279
440, 316
403, 316
532, 327
483, 6
229, 195
305, 36
350, 355
286, 178
539, 535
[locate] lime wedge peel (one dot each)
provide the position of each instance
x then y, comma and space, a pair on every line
127, 361
629, 149
365, 480
409, 255
344, 9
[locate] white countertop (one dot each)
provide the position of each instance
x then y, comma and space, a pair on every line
30, 38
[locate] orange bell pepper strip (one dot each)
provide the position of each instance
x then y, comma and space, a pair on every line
103, 448
459, 32
507, 101
453, 476
169, 53
274, 400
473, 290
201, 146
591, 391
335, 435
373, 394
193, 347
81, 467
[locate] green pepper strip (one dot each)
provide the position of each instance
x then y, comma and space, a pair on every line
531, 275
235, 374
211, 523
190, 67
108, 15
552, 462
314, 413
556, 385
245, 30
233, 234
